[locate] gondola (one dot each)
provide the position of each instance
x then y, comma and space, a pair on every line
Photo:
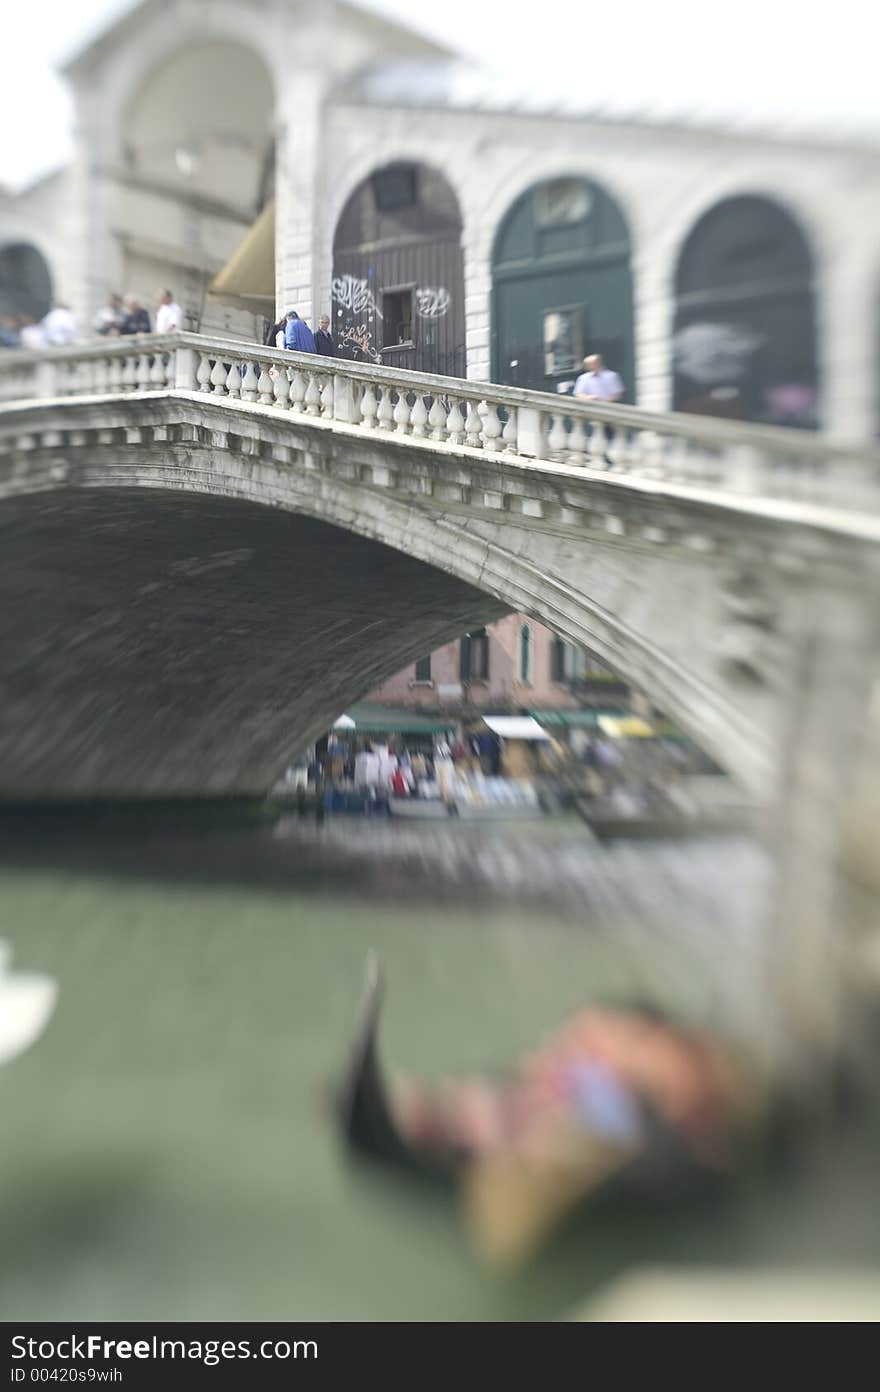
515, 1190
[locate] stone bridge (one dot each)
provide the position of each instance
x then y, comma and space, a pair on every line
211, 549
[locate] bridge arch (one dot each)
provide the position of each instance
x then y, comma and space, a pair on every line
561, 284
745, 315
26, 290
398, 270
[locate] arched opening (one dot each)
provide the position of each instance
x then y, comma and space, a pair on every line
745, 331
561, 287
25, 283
197, 160
398, 272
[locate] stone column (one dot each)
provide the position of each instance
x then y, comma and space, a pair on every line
848, 299
298, 204
823, 827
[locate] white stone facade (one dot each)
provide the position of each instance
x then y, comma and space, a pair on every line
327, 139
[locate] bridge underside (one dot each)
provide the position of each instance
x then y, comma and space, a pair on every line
167, 644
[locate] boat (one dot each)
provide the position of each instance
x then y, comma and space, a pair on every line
620, 1136
421, 809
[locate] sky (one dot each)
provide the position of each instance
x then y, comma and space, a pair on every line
755, 61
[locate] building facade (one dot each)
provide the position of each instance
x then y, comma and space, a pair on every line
513, 664
718, 270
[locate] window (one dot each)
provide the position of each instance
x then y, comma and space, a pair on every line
474, 656
423, 669
394, 187
562, 201
563, 340
558, 660
525, 654
397, 317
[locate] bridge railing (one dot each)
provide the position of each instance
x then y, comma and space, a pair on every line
670, 448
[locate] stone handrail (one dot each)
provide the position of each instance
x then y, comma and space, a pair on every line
673, 448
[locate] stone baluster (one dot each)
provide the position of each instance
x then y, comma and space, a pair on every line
171, 367
157, 372
249, 382
557, 440
369, 407
455, 422
265, 387
84, 377
297, 391
115, 370
508, 434
385, 412
598, 446
313, 396
281, 388
327, 398
401, 414
419, 416
437, 419
218, 378
233, 381
473, 425
101, 373
143, 372
203, 374
491, 427
577, 441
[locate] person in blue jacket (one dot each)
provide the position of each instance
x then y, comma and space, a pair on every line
297, 334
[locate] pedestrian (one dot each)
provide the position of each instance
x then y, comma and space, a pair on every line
169, 315
108, 321
298, 337
599, 383
32, 336
324, 344
136, 320
275, 335
59, 327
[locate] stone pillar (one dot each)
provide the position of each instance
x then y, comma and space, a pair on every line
97, 267
653, 273
847, 339
298, 204
830, 731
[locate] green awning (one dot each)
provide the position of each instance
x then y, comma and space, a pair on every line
572, 719
388, 720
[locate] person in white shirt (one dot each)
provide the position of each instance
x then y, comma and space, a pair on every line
59, 327
169, 315
598, 383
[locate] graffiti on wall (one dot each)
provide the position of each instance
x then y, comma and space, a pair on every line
356, 338
355, 294
432, 302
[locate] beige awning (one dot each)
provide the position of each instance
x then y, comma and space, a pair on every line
247, 281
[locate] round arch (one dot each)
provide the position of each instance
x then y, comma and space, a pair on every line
561, 285
745, 316
397, 287
25, 282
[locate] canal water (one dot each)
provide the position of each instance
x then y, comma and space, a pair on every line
164, 1152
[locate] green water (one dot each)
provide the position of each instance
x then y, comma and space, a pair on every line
163, 1151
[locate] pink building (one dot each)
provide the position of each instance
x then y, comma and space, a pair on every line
511, 664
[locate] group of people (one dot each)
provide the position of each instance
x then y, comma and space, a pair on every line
294, 334
128, 316
120, 316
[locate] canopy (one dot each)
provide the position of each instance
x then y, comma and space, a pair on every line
387, 720
512, 727
247, 281
572, 719
626, 727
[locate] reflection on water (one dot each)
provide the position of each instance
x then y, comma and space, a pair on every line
163, 1153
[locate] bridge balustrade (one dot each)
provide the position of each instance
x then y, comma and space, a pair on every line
445, 413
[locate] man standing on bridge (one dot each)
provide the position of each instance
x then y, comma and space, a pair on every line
598, 383
298, 337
